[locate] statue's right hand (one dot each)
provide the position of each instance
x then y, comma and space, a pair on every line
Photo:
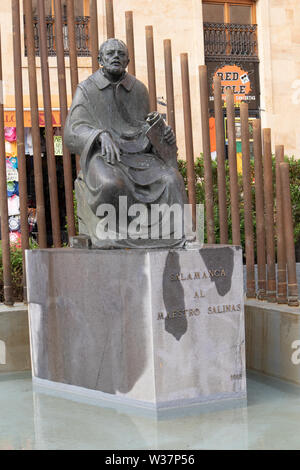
109, 149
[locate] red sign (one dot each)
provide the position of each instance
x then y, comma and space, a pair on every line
234, 77
10, 119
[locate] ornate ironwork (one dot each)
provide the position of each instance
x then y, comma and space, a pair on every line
82, 24
223, 40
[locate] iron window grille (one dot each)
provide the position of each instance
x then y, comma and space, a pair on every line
228, 40
82, 28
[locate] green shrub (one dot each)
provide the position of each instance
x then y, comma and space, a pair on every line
16, 259
295, 194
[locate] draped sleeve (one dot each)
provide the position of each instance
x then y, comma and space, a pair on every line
81, 124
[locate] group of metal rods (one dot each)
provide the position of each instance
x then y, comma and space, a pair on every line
32, 76
38, 175
35, 129
287, 290
51, 164
264, 203
263, 182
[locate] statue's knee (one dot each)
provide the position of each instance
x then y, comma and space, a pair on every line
112, 186
171, 177
120, 185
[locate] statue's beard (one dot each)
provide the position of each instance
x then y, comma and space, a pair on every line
115, 71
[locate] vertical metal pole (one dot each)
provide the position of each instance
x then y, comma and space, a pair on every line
208, 180
169, 83
52, 177
130, 41
289, 235
269, 216
73, 56
249, 238
110, 24
7, 277
260, 214
94, 35
188, 130
72, 45
281, 253
35, 127
63, 113
151, 68
220, 137
234, 188
20, 133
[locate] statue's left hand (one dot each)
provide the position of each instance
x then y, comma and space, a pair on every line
169, 135
109, 149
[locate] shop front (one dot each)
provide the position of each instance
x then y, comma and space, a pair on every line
231, 52
12, 174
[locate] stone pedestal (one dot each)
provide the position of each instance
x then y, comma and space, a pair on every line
157, 329
273, 339
14, 338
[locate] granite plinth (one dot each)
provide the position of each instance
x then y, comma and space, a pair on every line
152, 328
14, 338
273, 339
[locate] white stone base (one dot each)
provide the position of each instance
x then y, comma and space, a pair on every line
273, 339
157, 329
14, 338
123, 404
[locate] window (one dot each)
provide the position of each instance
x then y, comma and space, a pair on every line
229, 11
229, 29
230, 45
82, 21
81, 7
48, 7
240, 14
213, 13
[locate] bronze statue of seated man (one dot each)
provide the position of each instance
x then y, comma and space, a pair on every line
125, 153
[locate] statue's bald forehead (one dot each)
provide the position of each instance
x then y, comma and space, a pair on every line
112, 43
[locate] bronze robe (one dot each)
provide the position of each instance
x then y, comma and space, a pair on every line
142, 176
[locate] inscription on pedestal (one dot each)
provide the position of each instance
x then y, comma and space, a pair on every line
195, 312
198, 275
185, 291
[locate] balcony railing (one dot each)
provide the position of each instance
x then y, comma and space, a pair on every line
230, 40
82, 24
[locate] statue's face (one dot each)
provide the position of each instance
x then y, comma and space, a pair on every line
114, 57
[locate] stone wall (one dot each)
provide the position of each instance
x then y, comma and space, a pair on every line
279, 52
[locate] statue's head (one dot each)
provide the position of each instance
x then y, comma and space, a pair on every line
113, 56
